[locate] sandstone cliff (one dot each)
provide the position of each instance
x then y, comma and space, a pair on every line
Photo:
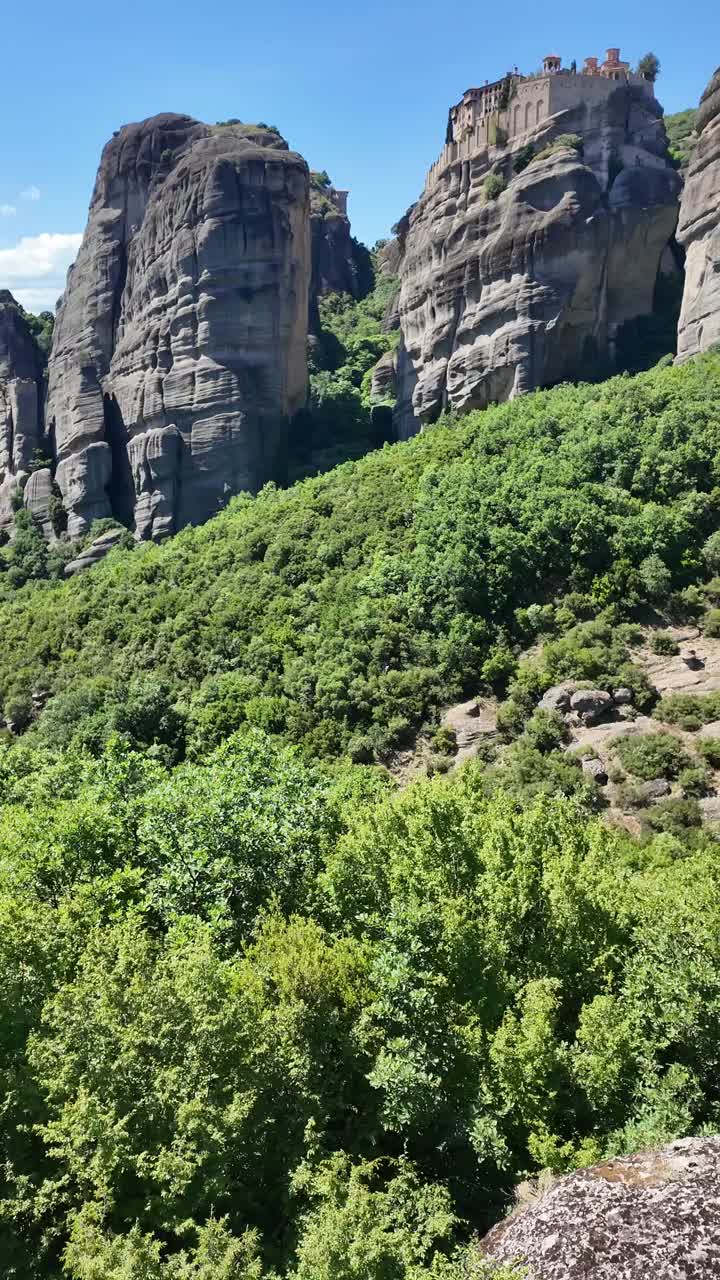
179, 351
653, 1215
699, 232
339, 263
21, 394
517, 284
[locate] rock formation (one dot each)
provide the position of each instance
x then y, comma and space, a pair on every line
179, 351
21, 391
699, 232
339, 263
522, 281
656, 1215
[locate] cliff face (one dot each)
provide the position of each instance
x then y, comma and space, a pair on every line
339, 264
21, 390
503, 295
180, 347
699, 232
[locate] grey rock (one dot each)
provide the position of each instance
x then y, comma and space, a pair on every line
557, 698
710, 730
655, 789
595, 769
96, 551
591, 704
36, 497
339, 264
699, 232
184, 320
622, 697
21, 383
652, 1215
503, 296
383, 387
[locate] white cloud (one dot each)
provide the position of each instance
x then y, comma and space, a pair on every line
7, 210
30, 193
35, 269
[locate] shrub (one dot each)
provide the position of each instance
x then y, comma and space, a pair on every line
444, 740
545, 730
662, 642
493, 186
711, 623
675, 817
651, 755
688, 710
523, 156
498, 668
709, 750
694, 781
655, 576
711, 551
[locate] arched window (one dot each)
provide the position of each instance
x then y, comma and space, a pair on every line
528, 111
538, 113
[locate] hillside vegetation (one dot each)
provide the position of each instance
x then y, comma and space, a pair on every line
265, 1016
342, 612
682, 138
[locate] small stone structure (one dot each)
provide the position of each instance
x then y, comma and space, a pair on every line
515, 105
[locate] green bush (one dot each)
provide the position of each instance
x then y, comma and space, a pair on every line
709, 749
493, 186
694, 781
711, 623
523, 156
651, 755
688, 710
444, 740
664, 643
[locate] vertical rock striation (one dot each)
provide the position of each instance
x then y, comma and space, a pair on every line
21, 390
179, 351
699, 232
502, 295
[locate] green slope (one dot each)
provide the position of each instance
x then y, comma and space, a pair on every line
343, 611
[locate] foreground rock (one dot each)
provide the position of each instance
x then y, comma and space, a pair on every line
527, 283
21, 387
179, 352
699, 232
653, 1216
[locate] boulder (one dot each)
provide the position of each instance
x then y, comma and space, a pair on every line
655, 789
595, 769
622, 697
652, 1216
591, 704
184, 321
557, 698
699, 232
96, 551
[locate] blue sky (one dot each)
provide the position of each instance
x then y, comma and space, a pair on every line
362, 90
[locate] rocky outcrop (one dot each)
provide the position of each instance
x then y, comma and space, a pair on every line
21, 390
699, 232
523, 282
95, 552
339, 263
179, 351
656, 1215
